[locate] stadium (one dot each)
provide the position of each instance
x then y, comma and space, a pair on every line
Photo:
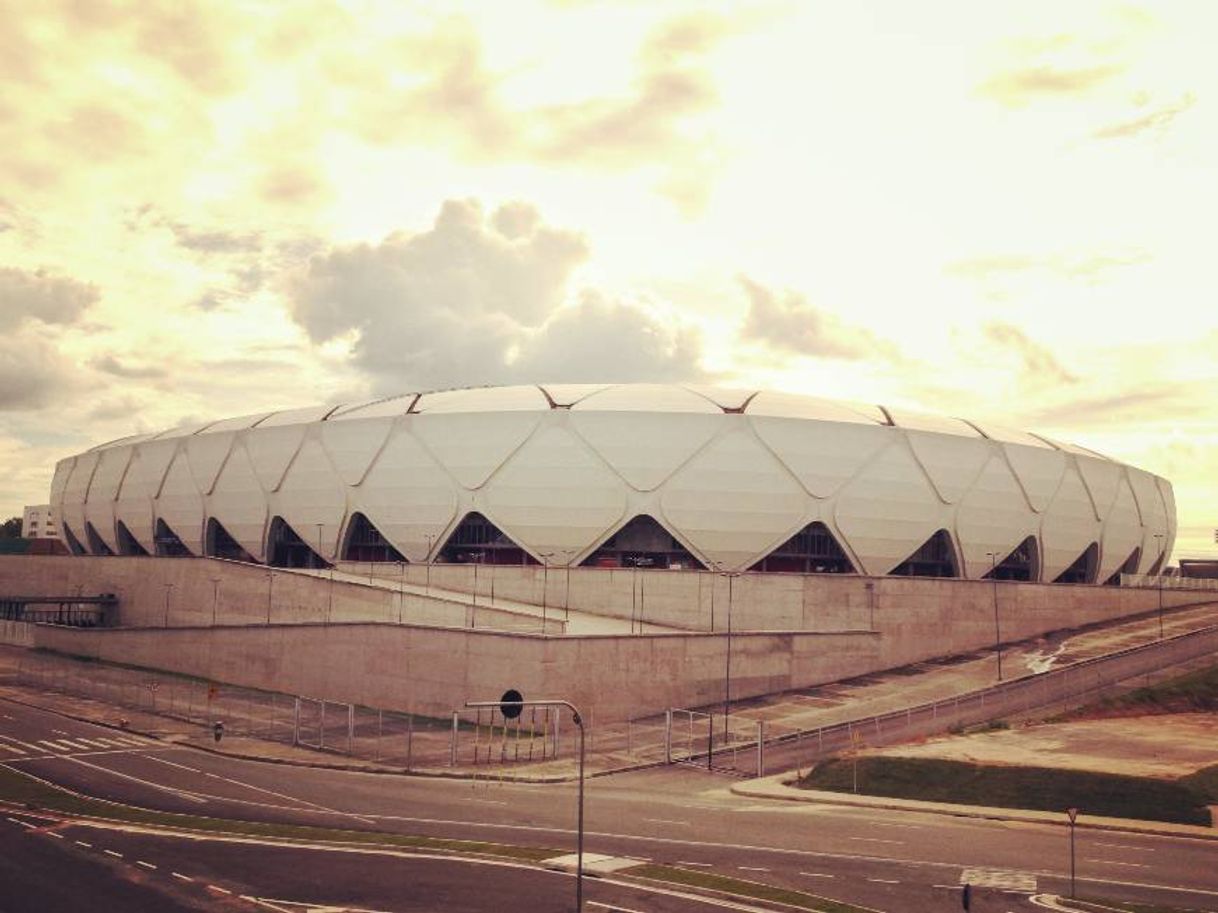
649, 476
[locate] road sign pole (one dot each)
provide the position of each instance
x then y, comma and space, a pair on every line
1072, 813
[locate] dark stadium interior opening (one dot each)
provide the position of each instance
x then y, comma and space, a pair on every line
218, 543
364, 542
168, 545
936, 557
1023, 563
74, 545
286, 549
643, 542
97, 545
812, 550
1128, 566
1084, 568
477, 540
127, 543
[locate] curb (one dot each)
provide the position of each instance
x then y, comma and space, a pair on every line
776, 787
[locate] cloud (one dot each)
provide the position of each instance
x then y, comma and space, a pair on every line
1156, 121
1127, 409
1036, 362
789, 323
1090, 266
478, 300
32, 373
216, 240
42, 295
455, 94
599, 339
1020, 86
109, 364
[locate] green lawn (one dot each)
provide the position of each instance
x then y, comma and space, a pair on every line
1045, 789
1195, 692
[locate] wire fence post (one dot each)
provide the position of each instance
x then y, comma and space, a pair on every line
452, 743
667, 733
761, 748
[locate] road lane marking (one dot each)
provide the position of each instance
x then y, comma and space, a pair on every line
305, 802
1136, 865
751, 868
216, 887
817, 875
667, 821
147, 865
26, 745
170, 763
169, 789
19, 821
181, 876
704, 865
53, 834
877, 840
58, 732
87, 846
11, 749
884, 880
609, 906
48, 745
1125, 846
906, 827
112, 853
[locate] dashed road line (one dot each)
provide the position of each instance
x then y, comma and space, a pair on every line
112, 853
216, 887
817, 875
701, 865
884, 880
25, 824
181, 876
147, 865
1126, 846
667, 821
82, 843
876, 840
1136, 865
53, 834
751, 868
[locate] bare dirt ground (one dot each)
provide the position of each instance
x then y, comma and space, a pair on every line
1167, 746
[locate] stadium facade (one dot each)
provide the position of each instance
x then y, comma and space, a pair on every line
622, 475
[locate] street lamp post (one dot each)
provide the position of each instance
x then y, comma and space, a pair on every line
215, 597
545, 583
427, 561
1072, 814
993, 556
1159, 549
168, 590
519, 705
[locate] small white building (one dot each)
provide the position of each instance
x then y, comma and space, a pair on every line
38, 522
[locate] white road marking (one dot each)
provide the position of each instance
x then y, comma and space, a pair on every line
216, 887
191, 797
703, 865
11, 749
876, 840
1125, 846
614, 906
48, 745
112, 853
1136, 865
305, 802
1021, 882
948, 887
58, 732
147, 865
53, 834
667, 821
181, 876
751, 868
170, 763
94, 743
817, 875
88, 846
904, 827
884, 880
26, 745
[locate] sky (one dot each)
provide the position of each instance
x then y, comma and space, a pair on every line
1000, 211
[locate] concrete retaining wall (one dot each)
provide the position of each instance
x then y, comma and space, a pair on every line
836, 627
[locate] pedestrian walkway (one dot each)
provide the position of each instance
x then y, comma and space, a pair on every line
12, 749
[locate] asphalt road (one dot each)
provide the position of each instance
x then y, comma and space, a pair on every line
886, 860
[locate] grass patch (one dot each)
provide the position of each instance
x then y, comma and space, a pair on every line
1204, 782
1194, 692
1040, 788
740, 888
1132, 907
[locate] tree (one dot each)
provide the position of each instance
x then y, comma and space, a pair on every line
11, 528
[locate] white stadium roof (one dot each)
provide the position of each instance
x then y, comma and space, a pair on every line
649, 474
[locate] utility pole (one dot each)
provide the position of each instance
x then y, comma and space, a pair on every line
1162, 560
215, 597
510, 706
168, 590
993, 556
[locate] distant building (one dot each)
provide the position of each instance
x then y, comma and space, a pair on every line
1206, 569
38, 522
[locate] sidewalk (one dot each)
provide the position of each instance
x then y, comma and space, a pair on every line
776, 787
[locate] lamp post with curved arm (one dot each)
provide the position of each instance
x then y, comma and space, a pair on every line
578, 720
993, 556
1159, 548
